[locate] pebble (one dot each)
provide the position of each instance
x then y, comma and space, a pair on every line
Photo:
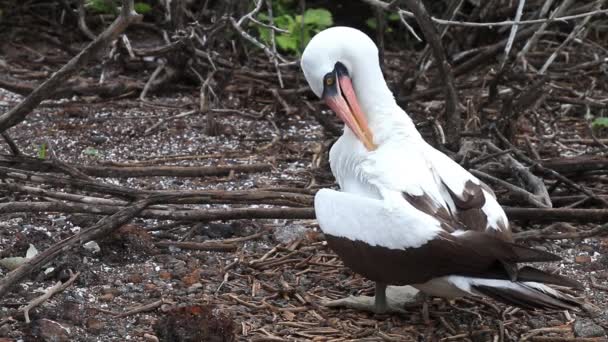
151, 338
92, 247
587, 328
582, 259
49, 330
94, 325
290, 233
194, 287
108, 297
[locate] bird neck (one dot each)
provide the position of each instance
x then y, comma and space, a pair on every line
385, 118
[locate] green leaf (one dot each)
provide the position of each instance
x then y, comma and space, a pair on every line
600, 123
287, 42
90, 151
142, 8
318, 17
393, 17
102, 6
372, 23
42, 151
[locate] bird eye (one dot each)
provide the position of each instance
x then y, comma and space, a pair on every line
329, 81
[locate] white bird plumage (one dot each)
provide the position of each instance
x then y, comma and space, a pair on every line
374, 205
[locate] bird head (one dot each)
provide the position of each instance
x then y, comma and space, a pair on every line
331, 61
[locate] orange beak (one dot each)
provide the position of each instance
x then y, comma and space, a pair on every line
349, 110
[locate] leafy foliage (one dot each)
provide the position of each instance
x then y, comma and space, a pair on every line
102, 6
600, 123
91, 151
42, 151
111, 6
142, 8
373, 22
300, 28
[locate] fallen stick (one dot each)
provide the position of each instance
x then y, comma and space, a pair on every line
169, 214
50, 292
548, 233
557, 214
212, 246
143, 308
102, 228
33, 164
181, 196
171, 171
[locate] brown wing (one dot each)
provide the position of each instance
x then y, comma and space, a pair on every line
475, 254
469, 204
468, 215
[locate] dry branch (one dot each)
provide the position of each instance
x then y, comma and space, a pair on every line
277, 197
548, 233
47, 88
53, 290
557, 214
200, 246
161, 214
33, 164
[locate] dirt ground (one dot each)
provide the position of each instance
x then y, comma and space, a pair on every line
272, 287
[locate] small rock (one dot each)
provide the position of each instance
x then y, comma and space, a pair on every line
587, 328
53, 331
192, 277
194, 287
151, 338
108, 297
94, 325
98, 139
537, 323
290, 233
582, 259
164, 275
135, 278
4, 331
92, 247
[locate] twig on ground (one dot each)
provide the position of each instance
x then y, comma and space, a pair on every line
548, 233
143, 308
51, 291
214, 246
166, 214
160, 122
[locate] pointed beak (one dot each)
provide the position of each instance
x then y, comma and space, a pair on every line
343, 101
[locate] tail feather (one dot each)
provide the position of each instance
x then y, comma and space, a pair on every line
528, 273
528, 295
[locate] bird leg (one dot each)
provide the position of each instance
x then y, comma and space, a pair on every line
390, 299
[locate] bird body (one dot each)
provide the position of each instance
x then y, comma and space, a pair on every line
407, 214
